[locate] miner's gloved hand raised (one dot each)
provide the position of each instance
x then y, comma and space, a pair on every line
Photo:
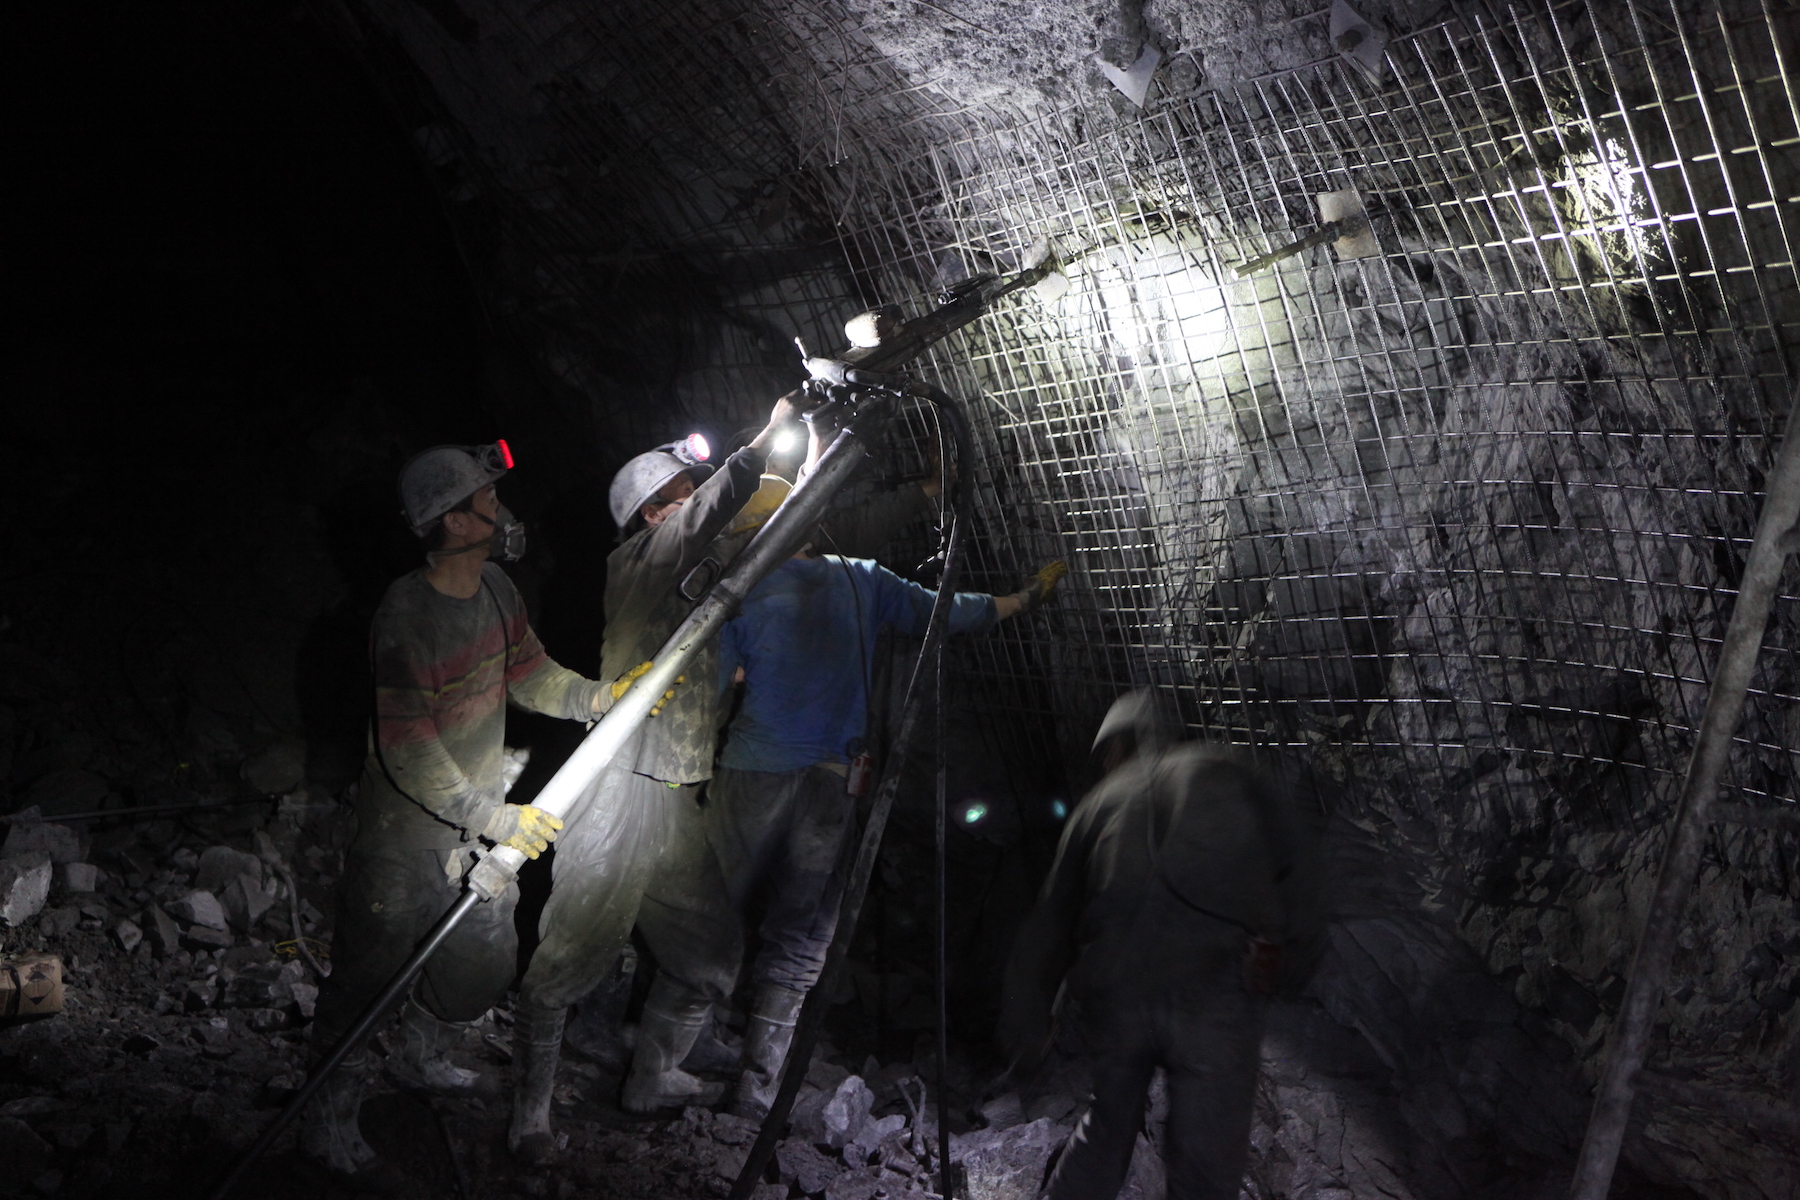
1042, 584
526, 829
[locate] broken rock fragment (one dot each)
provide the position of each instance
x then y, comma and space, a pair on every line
57, 922
24, 886
30, 836
164, 933
201, 908
838, 1121
201, 937
79, 876
245, 902
1007, 1164
128, 934
802, 1163
219, 865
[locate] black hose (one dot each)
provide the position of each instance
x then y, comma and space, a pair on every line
812, 1012
376, 1009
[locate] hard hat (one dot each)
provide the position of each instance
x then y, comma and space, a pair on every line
770, 492
435, 481
1143, 715
639, 480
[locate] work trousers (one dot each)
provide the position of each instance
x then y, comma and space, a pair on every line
1211, 1052
779, 834
629, 836
386, 902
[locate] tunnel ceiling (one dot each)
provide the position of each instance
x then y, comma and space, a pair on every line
1456, 503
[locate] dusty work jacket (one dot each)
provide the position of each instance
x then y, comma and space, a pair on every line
644, 606
444, 670
1163, 874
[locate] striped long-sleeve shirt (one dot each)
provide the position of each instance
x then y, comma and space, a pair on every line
444, 669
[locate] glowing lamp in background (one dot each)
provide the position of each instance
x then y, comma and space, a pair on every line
974, 813
786, 442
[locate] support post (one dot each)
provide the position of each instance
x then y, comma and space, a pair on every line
1769, 549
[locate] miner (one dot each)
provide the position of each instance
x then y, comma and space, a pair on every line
449, 646
1185, 892
671, 508
780, 805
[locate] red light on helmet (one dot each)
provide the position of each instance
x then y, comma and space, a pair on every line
699, 450
505, 453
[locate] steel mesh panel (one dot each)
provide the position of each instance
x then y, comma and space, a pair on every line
1463, 517
1474, 504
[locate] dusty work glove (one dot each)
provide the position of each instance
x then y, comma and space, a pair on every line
656, 709
623, 683
526, 829
1042, 584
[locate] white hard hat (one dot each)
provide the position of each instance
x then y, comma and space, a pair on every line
435, 481
639, 480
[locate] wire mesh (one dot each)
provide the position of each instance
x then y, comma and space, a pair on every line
1460, 516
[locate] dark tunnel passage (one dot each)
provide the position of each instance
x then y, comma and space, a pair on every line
1399, 381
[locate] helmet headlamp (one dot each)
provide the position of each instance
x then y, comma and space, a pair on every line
692, 450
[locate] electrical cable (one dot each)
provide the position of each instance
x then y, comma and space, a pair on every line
378, 1009
947, 1177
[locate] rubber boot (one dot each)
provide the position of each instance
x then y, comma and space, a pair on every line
598, 1031
537, 1044
674, 1014
766, 1040
423, 1058
713, 1054
330, 1133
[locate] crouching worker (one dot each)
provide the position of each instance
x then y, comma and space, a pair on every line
449, 646
1184, 893
671, 507
779, 809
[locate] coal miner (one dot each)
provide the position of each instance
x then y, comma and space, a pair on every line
671, 508
1185, 893
781, 803
449, 647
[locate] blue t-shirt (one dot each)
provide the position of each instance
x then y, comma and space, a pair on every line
806, 639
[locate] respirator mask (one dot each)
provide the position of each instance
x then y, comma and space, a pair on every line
508, 541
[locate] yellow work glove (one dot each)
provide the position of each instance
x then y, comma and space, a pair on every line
623, 683
1038, 589
656, 710
526, 829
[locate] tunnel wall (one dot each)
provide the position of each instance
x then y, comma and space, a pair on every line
1453, 508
